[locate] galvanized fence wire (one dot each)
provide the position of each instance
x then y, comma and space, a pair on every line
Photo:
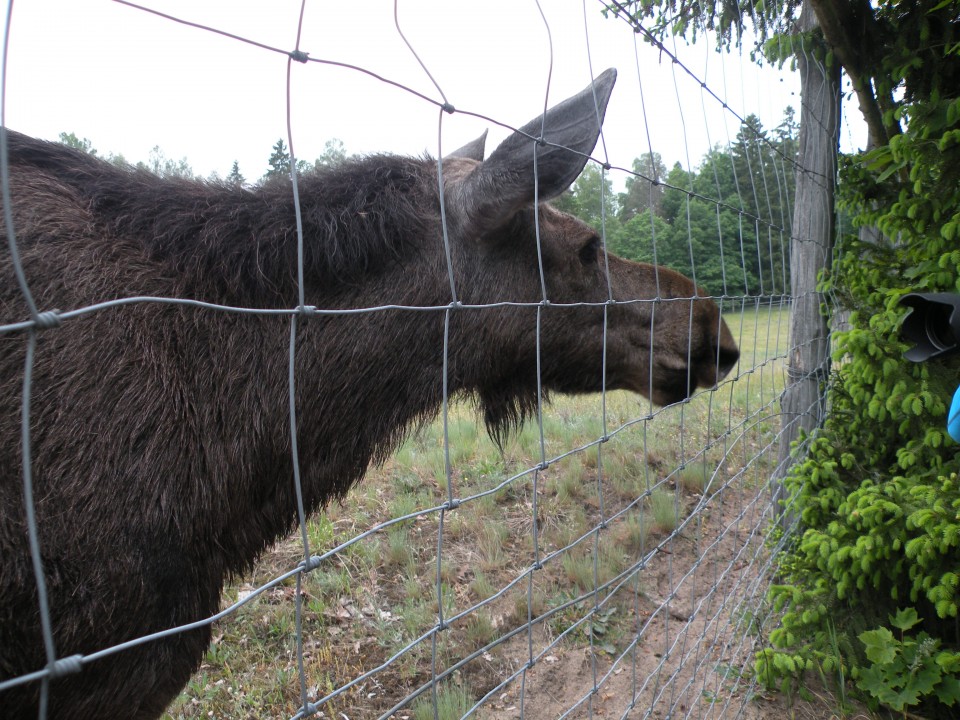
705, 617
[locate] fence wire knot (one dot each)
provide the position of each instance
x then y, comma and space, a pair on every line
299, 56
66, 666
46, 320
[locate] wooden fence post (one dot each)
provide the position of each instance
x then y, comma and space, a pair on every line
811, 249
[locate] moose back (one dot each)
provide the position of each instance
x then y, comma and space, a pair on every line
160, 434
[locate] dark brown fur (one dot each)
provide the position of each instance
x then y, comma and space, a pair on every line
160, 433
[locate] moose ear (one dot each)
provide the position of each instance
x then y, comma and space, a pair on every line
473, 150
505, 182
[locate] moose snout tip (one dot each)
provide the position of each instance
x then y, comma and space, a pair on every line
711, 374
726, 352
727, 359
719, 361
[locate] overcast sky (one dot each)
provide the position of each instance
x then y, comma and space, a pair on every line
129, 80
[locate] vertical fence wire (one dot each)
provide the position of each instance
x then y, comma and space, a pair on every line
49, 645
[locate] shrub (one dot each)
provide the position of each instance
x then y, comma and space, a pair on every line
877, 497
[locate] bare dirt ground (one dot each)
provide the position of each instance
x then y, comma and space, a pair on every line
692, 655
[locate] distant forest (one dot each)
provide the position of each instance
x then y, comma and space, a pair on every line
725, 222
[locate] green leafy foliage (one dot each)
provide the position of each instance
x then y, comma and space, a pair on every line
590, 198
159, 164
869, 589
726, 19
903, 670
83, 144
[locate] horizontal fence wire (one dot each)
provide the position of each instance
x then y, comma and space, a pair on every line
610, 558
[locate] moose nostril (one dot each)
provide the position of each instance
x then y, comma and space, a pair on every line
726, 359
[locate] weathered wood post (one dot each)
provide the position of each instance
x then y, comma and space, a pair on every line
811, 246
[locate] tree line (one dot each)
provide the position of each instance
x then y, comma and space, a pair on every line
725, 223
278, 164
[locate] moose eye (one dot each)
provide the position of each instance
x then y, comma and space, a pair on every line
590, 250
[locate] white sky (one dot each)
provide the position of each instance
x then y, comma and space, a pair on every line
129, 80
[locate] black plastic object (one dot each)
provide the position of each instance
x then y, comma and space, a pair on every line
934, 325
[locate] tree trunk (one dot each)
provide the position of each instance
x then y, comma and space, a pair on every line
811, 249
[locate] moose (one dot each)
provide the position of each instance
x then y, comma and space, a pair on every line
161, 446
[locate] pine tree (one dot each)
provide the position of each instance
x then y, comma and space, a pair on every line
279, 161
235, 178
643, 190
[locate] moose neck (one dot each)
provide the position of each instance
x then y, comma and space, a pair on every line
361, 387
363, 380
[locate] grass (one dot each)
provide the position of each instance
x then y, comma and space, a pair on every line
664, 512
634, 533
399, 551
451, 703
579, 569
377, 600
481, 586
694, 477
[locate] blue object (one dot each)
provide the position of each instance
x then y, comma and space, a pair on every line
953, 419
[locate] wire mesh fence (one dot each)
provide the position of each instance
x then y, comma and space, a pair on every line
610, 557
